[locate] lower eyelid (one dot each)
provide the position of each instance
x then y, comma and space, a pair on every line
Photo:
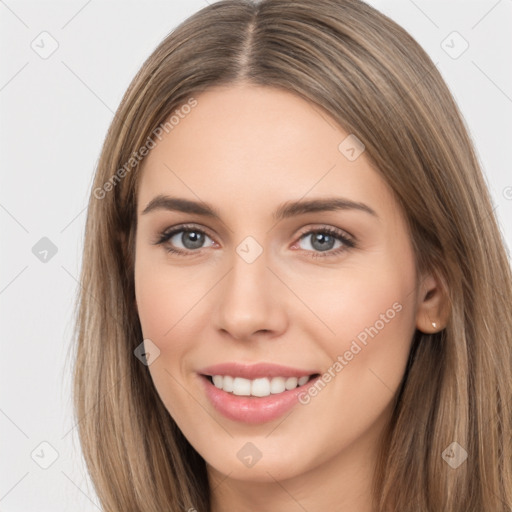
346, 240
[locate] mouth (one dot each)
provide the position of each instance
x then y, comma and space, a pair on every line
254, 393
261, 387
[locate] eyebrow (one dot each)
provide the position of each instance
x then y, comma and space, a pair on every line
284, 211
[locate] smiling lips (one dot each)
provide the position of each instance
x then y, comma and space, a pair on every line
254, 393
255, 371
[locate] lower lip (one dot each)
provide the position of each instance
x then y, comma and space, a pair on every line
253, 409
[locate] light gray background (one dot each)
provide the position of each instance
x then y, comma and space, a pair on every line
55, 112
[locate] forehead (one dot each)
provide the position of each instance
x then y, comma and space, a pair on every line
257, 145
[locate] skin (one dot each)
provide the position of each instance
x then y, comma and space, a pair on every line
246, 150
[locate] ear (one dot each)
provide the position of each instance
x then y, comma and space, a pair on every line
433, 305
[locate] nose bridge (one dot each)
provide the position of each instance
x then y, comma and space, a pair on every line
249, 299
249, 269
248, 283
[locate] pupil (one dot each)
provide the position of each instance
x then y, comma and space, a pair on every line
323, 241
192, 240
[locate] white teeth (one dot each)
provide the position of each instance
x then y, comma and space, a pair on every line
227, 384
241, 386
257, 387
291, 383
277, 385
303, 380
260, 387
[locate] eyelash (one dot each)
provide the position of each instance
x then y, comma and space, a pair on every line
348, 243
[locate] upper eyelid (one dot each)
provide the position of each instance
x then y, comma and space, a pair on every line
171, 231
186, 227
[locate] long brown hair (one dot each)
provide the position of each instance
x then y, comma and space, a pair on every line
370, 76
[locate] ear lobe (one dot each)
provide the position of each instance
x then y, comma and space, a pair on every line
433, 310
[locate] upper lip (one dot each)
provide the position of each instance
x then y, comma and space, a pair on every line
255, 371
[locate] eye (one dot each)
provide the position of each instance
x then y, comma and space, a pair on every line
321, 240
190, 237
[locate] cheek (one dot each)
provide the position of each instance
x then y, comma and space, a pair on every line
170, 302
353, 300
155, 302
377, 307
371, 312
165, 300
166, 296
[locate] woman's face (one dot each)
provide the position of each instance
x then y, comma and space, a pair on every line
263, 283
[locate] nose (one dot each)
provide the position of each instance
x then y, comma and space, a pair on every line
251, 300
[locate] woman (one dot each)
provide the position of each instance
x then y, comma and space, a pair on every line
295, 294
